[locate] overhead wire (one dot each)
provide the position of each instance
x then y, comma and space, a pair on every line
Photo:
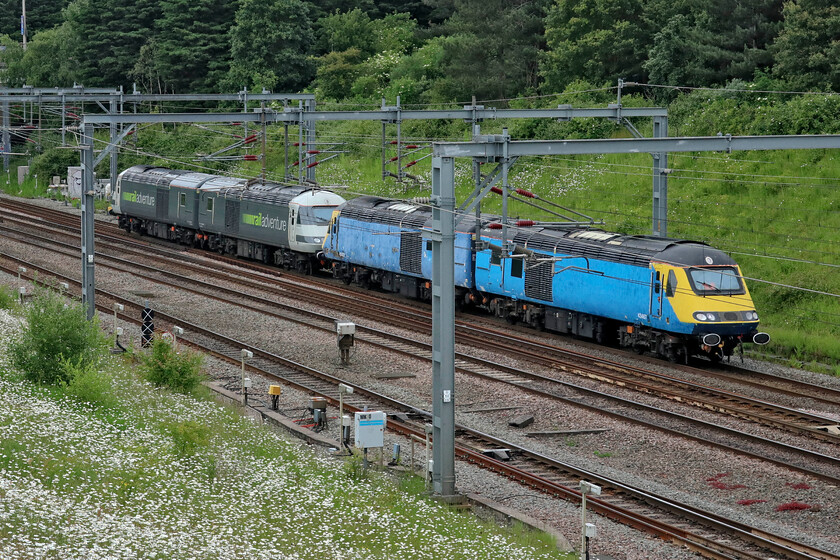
686, 170
513, 227
642, 283
189, 164
728, 90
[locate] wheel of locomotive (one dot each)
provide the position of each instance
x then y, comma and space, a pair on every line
676, 353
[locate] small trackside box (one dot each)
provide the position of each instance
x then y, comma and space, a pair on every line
369, 429
343, 329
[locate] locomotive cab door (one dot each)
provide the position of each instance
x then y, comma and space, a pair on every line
115, 195
656, 293
293, 222
186, 202
332, 232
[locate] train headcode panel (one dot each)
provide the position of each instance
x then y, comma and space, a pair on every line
370, 429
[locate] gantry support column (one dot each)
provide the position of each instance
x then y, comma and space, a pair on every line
7, 138
311, 142
660, 181
88, 284
113, 142
443, 325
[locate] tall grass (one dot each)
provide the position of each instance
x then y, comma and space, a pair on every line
8, 297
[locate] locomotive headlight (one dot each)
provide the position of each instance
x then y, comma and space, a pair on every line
706, 316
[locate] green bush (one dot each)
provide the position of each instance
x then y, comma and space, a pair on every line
163, 366
8, 298
54, 161
90, 385
54, 335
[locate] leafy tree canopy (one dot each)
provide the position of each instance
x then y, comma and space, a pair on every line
363, 53
708, 43
596, 40
494, 48
808, 47
269, 46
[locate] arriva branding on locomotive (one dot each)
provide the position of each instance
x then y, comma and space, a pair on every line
264, 221
138, 198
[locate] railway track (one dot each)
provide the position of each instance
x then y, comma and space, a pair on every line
547, 354
551, 480
711, 535
548, 388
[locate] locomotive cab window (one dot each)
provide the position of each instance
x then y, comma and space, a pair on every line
671, 288
516, 266
314, 215
715, 281
182, 199
495, 256
210, 205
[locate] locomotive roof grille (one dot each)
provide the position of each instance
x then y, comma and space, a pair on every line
277, 194
386, 211
635, 250
565, 246
153, 179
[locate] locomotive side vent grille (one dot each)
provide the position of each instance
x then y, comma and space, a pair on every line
538, 281
232, 216
162, 204
411, 252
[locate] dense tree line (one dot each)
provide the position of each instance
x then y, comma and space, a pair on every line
427, 51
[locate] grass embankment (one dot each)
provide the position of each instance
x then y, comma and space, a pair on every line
775, 212
106, 464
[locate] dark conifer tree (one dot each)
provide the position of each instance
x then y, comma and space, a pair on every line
808, 47
192, 44
40, 16
710, 43
493, 47
108, 36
